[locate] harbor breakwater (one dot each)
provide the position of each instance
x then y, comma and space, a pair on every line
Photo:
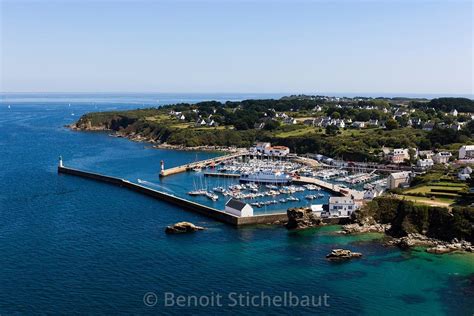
178, 201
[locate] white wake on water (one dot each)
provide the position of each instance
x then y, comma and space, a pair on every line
154, 185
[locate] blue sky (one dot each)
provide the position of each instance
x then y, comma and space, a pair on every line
237, 46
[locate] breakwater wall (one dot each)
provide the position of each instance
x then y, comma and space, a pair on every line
175, 200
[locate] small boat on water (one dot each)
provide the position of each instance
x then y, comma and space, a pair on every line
197, 169
293, 199
282, 200
212, 196
197, 192
310, 197
219, 189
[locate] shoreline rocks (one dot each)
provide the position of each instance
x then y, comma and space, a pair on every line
301, 218
343, 254
365, 228
433, 245
182, 227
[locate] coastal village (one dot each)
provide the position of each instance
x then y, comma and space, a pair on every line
272, 171
313, 160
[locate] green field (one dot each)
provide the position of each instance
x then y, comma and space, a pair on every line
435, 193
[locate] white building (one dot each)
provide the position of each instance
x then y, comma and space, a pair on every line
398, 178
399, 155
465, 173
358, 124
442, 157
260, 147
341, 206
238, 208
466, 152
373, 193
278, 151
317, 210
454, 112
425, 163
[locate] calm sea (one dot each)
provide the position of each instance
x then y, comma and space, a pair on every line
69, 245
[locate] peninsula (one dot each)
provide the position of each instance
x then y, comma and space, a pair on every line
355, 129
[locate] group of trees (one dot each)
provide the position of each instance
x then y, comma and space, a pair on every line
406, 217
446, 104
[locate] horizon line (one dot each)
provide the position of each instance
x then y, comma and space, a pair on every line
322, 93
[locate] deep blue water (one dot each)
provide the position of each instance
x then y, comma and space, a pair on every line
70, 245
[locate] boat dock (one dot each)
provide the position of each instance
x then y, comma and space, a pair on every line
328, 186
200, 164
207, 211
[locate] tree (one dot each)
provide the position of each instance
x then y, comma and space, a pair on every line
271, 125
391, 124
332, 130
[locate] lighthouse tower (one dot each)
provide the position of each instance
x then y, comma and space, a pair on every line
60, 161
162, 164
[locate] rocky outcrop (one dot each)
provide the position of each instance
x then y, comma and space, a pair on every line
343, 254
433, 245
365, 228
182, 227
86, 125
300, 218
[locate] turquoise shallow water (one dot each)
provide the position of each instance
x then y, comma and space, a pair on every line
73, 245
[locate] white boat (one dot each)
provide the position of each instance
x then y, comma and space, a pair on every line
197, 169
197, 192
266, 177
212, 196
219, 189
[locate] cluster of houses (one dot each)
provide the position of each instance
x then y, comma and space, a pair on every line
200, 122
425, 158
326, 121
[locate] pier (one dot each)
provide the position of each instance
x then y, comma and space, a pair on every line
323, 184
207, 211
200, 164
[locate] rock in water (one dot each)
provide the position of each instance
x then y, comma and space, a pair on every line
366, 228
182, 227
299, 218
343, 254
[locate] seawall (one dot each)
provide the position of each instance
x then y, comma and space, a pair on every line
175, 200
